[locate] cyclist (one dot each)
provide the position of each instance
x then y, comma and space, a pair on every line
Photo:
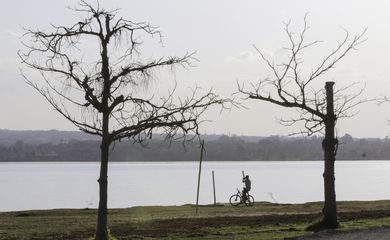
247, 187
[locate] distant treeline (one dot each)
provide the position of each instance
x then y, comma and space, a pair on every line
76, 146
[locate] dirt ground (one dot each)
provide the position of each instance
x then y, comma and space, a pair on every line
188, 226
369, 234
265, 221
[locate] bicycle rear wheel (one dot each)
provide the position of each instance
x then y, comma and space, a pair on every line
235, 199
250, 201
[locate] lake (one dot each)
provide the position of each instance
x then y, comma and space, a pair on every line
45, 185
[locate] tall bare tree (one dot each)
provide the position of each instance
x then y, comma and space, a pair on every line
289, 86
103, 93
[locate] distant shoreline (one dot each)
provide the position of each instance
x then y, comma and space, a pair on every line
59, 146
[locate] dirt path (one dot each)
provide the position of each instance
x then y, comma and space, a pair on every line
369, 234
190, 226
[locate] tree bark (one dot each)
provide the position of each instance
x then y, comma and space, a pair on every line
101, 230
330, 209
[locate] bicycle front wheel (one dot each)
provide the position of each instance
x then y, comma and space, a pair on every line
250, 201
235, 199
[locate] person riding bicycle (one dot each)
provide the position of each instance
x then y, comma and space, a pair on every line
247, 187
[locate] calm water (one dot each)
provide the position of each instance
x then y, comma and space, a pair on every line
73, 185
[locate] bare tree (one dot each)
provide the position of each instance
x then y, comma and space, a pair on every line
318, 110
105, 94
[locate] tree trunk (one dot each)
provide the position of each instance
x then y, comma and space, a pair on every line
329, 210
101, 230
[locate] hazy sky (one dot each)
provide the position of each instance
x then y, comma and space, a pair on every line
222, 32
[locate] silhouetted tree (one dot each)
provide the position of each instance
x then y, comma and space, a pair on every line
104, 92
290, 87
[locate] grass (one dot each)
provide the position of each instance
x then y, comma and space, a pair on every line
262, 221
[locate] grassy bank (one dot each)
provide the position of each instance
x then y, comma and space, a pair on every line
263, 221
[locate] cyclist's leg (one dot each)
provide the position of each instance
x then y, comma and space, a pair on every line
244, 194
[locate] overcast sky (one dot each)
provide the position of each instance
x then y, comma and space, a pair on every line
222, 32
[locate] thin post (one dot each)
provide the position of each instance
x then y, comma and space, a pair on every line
200, 170
215, 198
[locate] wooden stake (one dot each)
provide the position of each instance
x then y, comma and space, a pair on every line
200, 170
215, 198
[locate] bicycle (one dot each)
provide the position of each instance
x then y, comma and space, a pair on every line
237, 199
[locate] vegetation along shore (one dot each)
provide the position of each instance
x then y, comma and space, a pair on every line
30, 146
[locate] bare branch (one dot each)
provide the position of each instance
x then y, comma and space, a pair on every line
289, 87
102, 88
